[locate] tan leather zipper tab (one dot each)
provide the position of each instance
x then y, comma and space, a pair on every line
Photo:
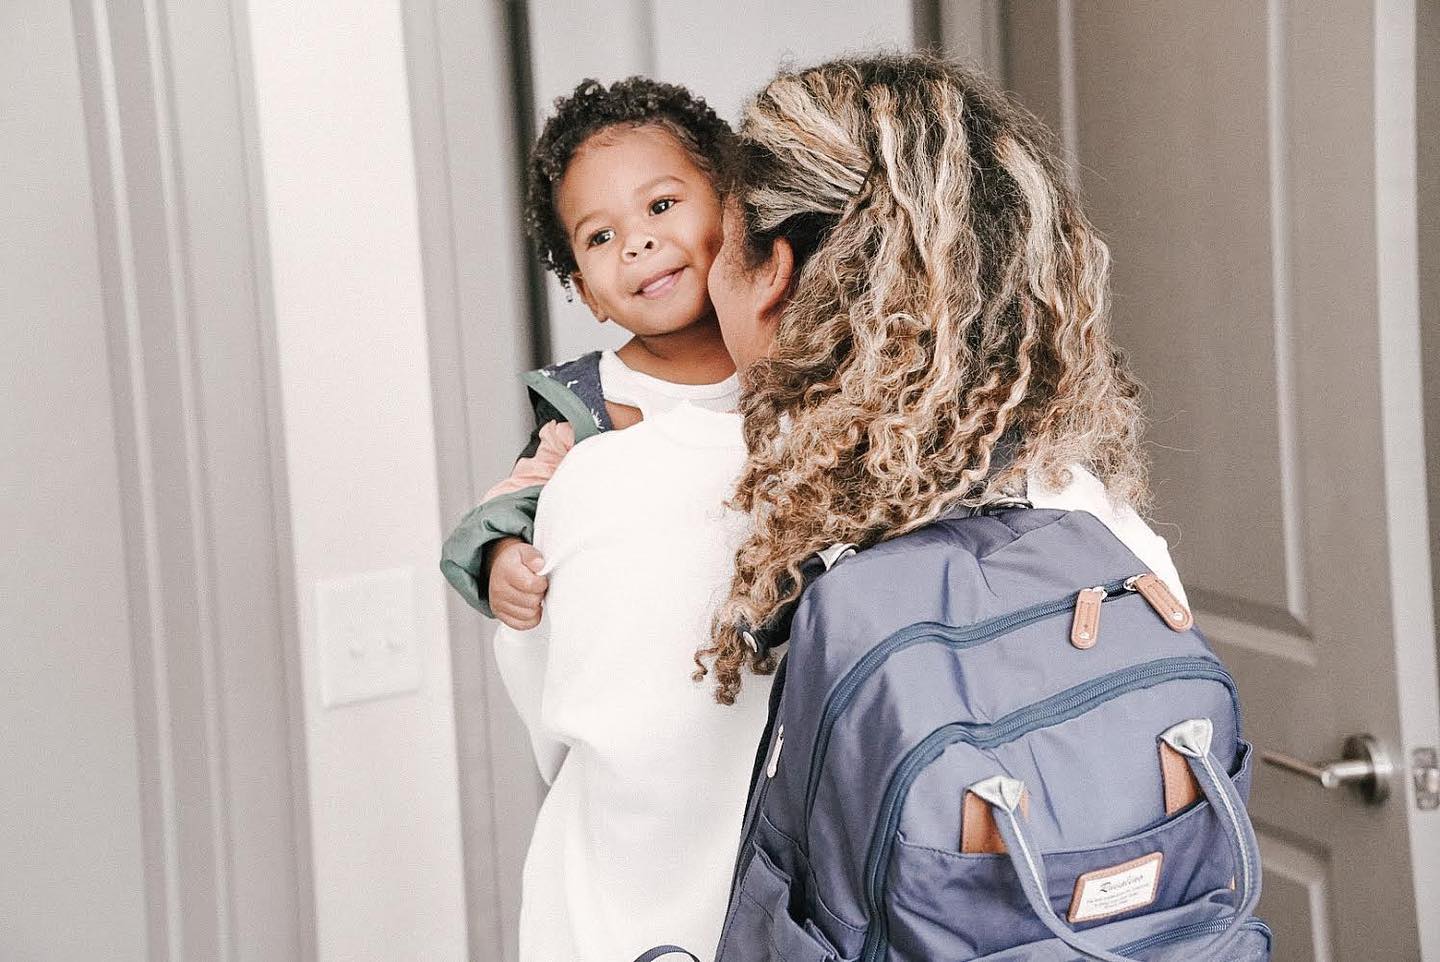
1085, 628
1166, 605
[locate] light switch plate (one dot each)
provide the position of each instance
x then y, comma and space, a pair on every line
366, 626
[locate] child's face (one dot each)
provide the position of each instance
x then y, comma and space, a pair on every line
644, 222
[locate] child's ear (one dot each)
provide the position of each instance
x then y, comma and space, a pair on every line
578, 282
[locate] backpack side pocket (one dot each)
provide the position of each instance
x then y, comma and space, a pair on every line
763, 927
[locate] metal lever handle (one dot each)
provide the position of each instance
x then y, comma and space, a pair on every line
1366, 767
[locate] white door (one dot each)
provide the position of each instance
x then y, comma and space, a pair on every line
1253, 166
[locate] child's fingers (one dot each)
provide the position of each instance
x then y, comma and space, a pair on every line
513, 597
523, 581
516, 590
518, 616
528, 582
517, 600
531, 558
522, 578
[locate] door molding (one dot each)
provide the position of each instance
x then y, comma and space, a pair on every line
175, 180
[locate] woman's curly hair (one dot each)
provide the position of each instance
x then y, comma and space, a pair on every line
945, 334
593, 108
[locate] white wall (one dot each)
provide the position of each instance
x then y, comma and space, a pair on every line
337, 154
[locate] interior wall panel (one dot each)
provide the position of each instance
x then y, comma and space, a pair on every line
460, 69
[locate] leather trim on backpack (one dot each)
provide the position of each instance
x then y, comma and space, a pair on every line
979, 834
1181, 789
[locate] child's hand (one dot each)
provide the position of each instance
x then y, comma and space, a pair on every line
516, 587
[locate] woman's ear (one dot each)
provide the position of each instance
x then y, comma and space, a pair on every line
777, 276
578, 283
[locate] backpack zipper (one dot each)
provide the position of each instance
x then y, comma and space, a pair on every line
966, 637
1085, 625
1058, 708
1185, 932
775, 756
1175, 615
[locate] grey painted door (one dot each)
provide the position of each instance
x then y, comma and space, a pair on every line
1253, 166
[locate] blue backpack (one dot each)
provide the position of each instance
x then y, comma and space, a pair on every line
999, 737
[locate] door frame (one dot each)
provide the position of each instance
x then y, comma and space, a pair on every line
172, 140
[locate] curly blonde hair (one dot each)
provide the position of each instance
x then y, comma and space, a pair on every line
945, 334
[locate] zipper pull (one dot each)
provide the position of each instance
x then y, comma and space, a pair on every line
775, 755
1166, 605
1085, 629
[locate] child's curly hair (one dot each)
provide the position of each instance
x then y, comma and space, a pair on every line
950, 303
593, 107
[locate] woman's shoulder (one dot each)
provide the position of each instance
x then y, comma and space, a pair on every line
1085, 492
675, 468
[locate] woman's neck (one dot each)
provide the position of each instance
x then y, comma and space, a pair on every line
691, 355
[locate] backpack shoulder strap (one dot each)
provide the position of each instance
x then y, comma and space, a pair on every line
650, 955
775, 631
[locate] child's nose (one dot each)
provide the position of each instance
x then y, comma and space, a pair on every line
638, 246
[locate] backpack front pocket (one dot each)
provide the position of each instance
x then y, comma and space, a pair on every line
1182, 860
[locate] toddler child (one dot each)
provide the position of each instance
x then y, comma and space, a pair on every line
622, 206
635, 841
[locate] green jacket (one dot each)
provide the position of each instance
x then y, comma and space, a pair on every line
562, 392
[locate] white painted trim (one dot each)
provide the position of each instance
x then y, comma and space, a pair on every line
1397, 277
263, 303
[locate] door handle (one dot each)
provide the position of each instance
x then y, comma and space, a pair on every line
1365, 766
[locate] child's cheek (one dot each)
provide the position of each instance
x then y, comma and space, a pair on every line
714, 239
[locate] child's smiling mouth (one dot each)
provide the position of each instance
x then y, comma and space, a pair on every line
658, 285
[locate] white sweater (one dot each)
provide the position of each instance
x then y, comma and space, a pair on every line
634, 844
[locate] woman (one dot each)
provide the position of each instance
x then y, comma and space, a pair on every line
918, 309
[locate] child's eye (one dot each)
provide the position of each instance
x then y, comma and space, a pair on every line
600, 237
662, 205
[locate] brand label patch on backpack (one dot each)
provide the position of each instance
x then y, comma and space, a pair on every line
1110, 891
